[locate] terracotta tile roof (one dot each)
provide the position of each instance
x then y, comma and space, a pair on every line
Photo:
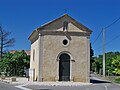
13, 51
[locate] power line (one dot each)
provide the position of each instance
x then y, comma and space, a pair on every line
113, 39
110, 41
112, 23
97, 37
105, 30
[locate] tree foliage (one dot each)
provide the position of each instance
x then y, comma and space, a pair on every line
112, 63
15, 64
116, 64
91, 57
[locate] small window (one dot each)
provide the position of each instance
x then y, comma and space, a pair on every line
65, 26
65, 42
33, 55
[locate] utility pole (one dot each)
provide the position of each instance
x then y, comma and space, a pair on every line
103, 52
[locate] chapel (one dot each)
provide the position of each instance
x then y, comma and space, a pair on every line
60, 51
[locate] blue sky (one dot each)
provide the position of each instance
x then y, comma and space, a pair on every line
21, 17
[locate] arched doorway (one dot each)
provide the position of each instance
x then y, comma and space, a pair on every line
64, 67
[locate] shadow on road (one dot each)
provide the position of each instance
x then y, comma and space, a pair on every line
98, 81
42, 89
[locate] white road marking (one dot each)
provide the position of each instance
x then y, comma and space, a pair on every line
22, 87
106, 88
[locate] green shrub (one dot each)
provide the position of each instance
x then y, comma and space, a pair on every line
117, 80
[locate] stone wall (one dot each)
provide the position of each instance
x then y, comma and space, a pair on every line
77, 48
34, 59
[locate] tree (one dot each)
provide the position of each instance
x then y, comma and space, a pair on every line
5, 64
91, 57
116, 63
5, 41
112, 63
98, 64
15, 64
109, 59
20, 60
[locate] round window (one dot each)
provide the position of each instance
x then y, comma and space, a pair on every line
65, 42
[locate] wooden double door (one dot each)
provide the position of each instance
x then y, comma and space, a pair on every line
64, 67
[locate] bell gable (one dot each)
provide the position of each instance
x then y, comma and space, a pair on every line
58, 24
62, 24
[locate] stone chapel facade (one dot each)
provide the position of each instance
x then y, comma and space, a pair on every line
60, 51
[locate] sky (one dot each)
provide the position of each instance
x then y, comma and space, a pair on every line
21, 17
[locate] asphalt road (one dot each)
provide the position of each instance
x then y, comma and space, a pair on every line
98, 84
6, 86
105, 86
95, 86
